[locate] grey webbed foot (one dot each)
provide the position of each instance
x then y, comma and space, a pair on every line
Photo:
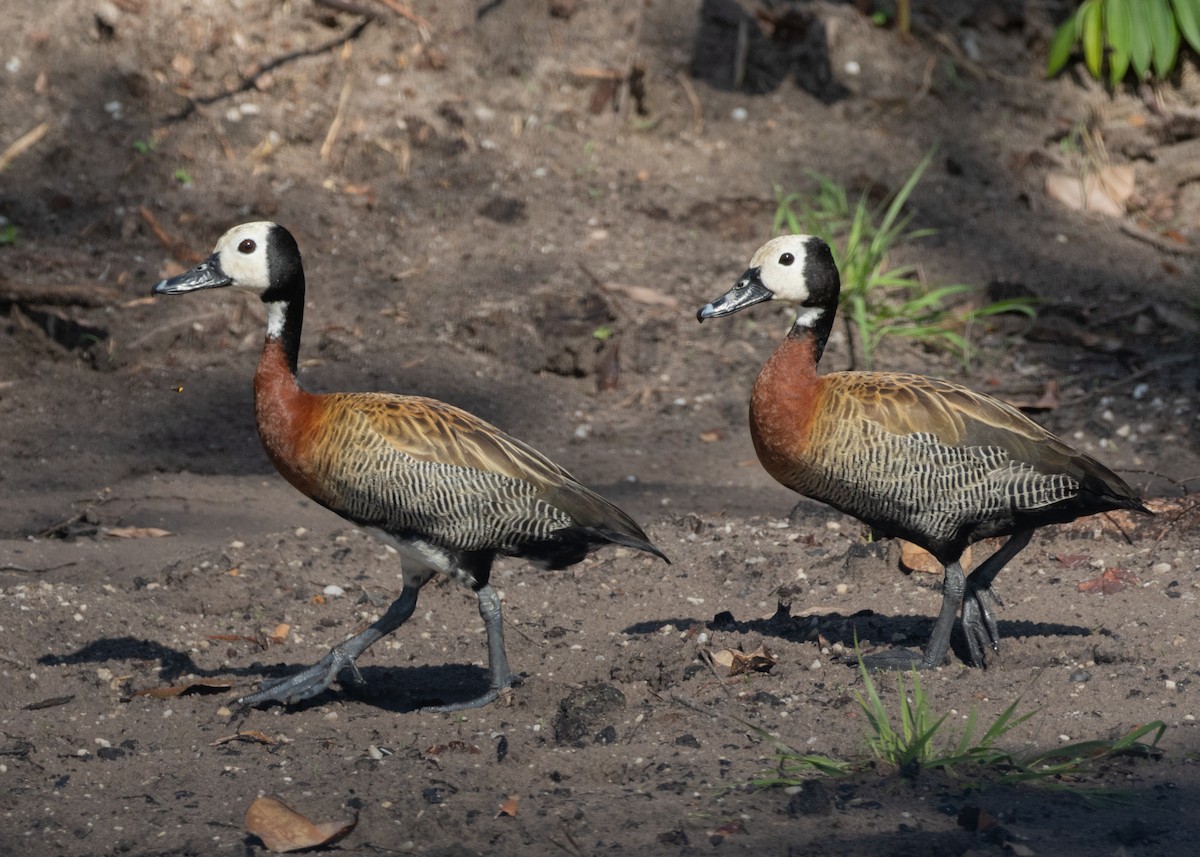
979, 623
305, 684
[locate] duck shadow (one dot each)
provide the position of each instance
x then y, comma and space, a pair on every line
849, 629
394, 689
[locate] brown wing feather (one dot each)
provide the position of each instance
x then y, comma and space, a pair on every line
428, 431
433, 431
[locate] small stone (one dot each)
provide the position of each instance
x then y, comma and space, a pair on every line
1080, 676
333, 591
1162, 568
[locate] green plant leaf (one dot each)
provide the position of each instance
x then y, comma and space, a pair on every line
1091, 32
1119, 25
1164, 35
1141, 49
1187, 13
1062, 45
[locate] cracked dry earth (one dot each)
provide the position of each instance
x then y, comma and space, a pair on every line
475, 199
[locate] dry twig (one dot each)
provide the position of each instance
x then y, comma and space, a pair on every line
250, 81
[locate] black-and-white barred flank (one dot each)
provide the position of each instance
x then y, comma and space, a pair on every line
917, 483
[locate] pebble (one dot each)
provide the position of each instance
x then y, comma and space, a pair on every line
333, 591
1080, 676
739, 114
1161, 568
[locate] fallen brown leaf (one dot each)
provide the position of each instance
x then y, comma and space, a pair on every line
644, 295
137, 532
455, 746
509, 806
199, 685
1111, 581
730, 828
252, 736
915, 558
735, 662
1105, 191
282, 829
1070, 559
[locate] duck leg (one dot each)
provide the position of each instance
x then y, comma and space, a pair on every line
501, 675
953, 588
978, 619
317, 678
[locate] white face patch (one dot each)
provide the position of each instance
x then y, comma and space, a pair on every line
242, 252
782, 261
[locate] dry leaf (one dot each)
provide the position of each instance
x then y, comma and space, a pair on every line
1113, 580
1070, 559
915, 558
137, 532
643, 295
283, 829
509, 806
250, 736
730, 828
196, 685
455, 746
735, 662
1104, 191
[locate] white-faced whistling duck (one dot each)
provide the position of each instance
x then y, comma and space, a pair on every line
915, 458
446, 489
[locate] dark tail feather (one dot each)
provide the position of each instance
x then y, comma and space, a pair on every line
568, 546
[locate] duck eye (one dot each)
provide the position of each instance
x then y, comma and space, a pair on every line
247, 246
787, 259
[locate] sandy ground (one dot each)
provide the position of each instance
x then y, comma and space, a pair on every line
474, 200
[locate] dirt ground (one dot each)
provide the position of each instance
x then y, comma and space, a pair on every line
476, 198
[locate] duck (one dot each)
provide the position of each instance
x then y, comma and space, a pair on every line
449, 491
916, 458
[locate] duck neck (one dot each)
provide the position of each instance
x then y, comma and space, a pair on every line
285, 320
812, 328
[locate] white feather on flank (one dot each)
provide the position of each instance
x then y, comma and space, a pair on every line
276, 311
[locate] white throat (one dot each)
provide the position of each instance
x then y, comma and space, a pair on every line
809, 316
276, 311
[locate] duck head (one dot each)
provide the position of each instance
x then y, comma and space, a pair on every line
794, 269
